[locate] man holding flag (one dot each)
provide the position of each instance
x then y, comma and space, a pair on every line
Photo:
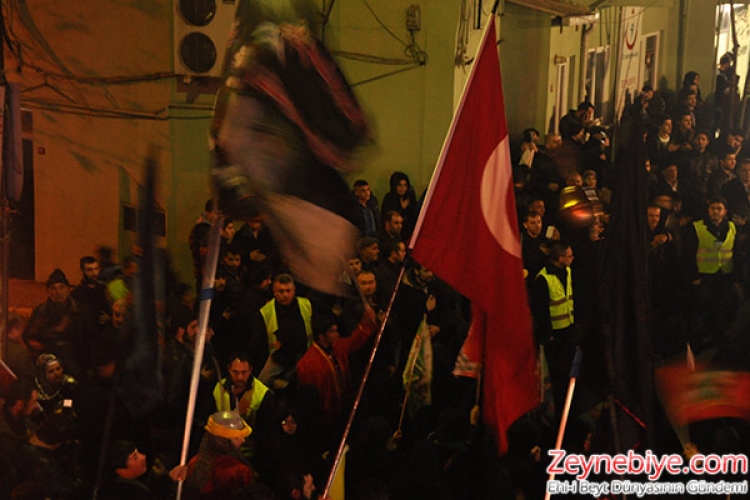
483, 259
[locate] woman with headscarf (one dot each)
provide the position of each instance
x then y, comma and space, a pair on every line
53, 384
284, 447
402, 199
692, 82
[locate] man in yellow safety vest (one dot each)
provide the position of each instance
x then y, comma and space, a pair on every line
711, 243
552, 306
245, 395
286, 322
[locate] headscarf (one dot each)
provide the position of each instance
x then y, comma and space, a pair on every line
46, 390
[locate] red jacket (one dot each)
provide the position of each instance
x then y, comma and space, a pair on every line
229, 476
316, 368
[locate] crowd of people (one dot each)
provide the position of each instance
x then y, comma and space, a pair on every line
283, 362
281, 368
696, 199
697, 185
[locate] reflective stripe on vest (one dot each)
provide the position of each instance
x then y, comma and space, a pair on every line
560, 300
256, 393
268, 312
714, 255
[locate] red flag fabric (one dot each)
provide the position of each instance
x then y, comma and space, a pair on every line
6, 377
467, 234
471, 355
691, 395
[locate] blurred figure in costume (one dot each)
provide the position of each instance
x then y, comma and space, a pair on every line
219, 470
285, 127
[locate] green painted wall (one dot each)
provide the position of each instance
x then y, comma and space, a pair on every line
666, 22
565, 42
699, 44
409, 111
525, 38
190, 178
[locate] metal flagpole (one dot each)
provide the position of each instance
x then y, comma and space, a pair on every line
361, 390
566, 410
4, 206
206, 294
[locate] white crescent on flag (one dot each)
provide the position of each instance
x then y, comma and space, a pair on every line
496, 182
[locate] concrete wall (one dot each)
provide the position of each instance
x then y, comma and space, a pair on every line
409, 111
667, 23
189, 178
525, 39
699, 44
564, 42
90, 136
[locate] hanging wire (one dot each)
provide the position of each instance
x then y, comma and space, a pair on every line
415, 52
380, 77
356, 56
386, 28
73, 109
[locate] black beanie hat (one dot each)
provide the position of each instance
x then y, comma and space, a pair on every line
57, 276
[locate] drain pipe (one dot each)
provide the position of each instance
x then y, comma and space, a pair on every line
681, 41
583, 61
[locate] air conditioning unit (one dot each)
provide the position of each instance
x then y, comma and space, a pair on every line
201, 34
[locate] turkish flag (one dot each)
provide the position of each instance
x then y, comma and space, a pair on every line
467, 234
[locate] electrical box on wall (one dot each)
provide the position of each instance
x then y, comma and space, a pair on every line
413, 18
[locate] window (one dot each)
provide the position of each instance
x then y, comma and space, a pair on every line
561, 92
650, 60
597, 81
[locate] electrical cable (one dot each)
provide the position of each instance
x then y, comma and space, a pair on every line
386, 28
380, 77
72, 109
111, 80
18, 10
28, 21
356, 56
415, 52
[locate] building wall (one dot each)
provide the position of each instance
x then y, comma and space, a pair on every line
409, 111
699, 44
666, 22
90, 136
190, 177
564, 42
525, 39
694, 50
87, 165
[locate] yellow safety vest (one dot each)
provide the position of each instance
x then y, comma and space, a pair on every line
714, 256
560, 300
255, 395
268, 312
